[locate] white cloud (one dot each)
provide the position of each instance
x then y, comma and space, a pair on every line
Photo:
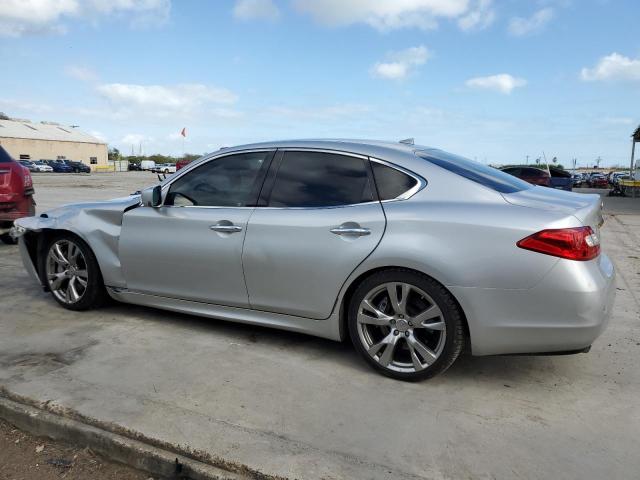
177, 97
385, 15
479, 17
400, 64
520, 26
503, 83
23, 17
256, 9
81, 73
613, 67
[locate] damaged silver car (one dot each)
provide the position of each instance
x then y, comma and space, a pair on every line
411, 252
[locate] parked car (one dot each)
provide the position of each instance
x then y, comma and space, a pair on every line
561, 179
532, 175
182, 163
147, 165
29, 165
58, 167
577, 180
413, 253
42, 166
16, 194
76, 167
598, 181
165, 168
134, 167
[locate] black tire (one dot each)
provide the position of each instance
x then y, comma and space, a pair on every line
95, 294
8, 239
451, 314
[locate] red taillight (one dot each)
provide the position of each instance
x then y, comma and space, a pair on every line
28, 181
580, 243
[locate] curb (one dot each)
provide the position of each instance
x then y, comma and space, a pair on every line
133, 453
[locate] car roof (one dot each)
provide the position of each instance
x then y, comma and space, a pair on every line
363, 147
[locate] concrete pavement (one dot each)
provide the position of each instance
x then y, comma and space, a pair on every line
301, 407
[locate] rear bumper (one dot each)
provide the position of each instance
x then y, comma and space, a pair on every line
566, 311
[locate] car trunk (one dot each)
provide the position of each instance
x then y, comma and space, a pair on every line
585, 207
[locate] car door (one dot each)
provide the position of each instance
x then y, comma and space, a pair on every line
318, 220
191, 247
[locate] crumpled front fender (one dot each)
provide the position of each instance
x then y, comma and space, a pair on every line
97, 223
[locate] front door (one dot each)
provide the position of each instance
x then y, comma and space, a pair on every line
191, 247
321, 221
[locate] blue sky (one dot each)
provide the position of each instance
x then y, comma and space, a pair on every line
488, 79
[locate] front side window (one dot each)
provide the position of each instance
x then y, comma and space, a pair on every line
222, 182
316, 179
477, 172
391, 183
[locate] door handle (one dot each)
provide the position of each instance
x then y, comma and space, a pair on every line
355, 231
226, 228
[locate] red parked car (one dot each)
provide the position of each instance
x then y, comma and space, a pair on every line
16, 194
598, 181
533, 175
182, 163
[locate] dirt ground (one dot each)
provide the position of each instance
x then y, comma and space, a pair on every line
25, 457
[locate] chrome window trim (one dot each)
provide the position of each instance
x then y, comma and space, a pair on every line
420, 182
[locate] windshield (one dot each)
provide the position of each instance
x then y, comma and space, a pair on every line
477, 172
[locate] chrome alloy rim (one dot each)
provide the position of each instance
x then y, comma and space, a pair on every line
66, 270
401, 327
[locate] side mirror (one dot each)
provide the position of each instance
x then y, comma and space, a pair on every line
152, 196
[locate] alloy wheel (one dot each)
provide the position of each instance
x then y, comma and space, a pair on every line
401, 327
66, 270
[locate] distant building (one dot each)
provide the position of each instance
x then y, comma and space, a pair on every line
25, 140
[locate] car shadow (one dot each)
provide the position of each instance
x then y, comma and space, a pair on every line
502, 371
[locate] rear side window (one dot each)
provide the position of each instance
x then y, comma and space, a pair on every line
316, 179
483, 174
4, 156
391, 183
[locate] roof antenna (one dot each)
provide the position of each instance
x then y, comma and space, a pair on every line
408, 141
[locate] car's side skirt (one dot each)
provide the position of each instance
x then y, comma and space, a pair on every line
328, 328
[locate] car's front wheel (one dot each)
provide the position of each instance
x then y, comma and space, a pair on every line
72, 273
406, 325
8, 239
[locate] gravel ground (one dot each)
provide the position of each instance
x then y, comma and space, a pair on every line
25, 457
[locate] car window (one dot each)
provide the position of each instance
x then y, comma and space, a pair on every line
477, 172
316, 179
391, 182
4, 156
223, 182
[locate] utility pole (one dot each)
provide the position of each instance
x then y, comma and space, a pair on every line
527, 163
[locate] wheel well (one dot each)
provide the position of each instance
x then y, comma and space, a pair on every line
346, 299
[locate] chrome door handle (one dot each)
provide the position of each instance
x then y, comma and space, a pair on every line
356, 231
226, 228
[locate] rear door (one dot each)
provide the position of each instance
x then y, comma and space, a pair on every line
318, 219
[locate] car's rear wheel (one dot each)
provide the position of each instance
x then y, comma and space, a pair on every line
406, 325
72, 273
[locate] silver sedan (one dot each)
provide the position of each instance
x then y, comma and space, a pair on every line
411, 252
